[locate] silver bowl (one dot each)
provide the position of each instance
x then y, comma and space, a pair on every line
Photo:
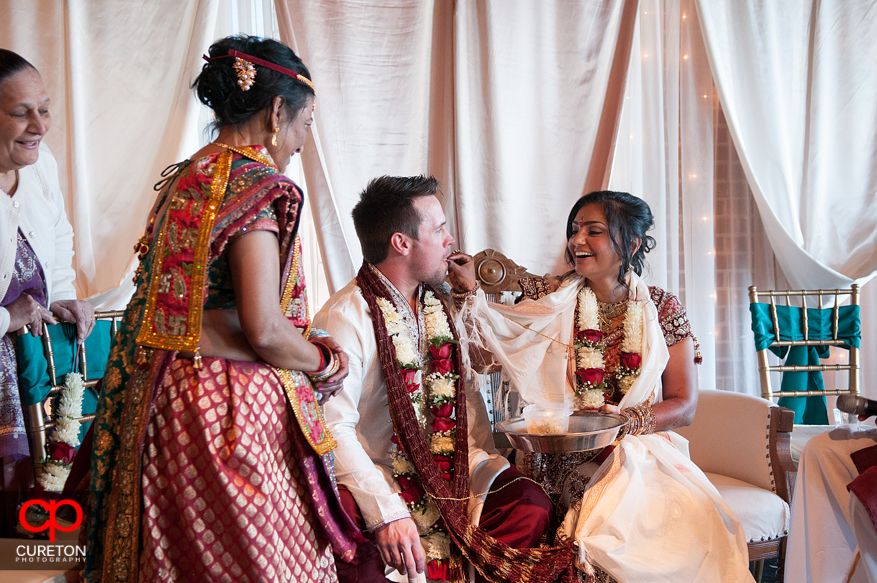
587, 430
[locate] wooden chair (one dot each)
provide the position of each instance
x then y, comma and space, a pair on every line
741, 443
820, 328
497, 274
47, 379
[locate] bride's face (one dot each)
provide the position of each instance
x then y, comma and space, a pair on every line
591, 246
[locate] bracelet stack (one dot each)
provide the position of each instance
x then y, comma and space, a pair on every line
460, 297
640, 419
329, 364
535, 288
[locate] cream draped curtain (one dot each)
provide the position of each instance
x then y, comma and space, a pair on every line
797, 81
518, 108
118, 75
507, 107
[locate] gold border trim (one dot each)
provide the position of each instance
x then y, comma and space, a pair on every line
188, 342
289, 385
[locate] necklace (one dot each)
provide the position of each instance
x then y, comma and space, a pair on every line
608, 312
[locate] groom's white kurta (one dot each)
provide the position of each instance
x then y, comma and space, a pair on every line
359, 419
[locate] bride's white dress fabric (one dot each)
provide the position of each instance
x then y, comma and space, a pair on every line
648, 515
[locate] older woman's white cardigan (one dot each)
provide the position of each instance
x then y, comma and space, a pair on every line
37, 208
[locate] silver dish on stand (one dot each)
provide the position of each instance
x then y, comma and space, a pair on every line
588, 430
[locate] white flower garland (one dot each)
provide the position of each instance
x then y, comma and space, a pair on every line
589, 355
54, 473
437, 389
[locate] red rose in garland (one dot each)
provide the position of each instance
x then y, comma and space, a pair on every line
443, 424
437, 570
443, 366
443, 462
408, 375
444, 410
590, 376
62, 452
441, 352
631, 360
591, 337
412, 491
441, 358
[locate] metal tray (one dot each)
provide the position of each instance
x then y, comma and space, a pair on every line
587, 430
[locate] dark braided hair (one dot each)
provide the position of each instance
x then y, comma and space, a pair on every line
628, 218
217, 84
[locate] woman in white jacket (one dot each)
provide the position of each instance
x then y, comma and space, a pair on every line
36, 252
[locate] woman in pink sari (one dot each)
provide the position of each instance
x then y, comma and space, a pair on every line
210, 458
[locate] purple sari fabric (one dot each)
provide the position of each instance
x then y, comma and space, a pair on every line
27, 278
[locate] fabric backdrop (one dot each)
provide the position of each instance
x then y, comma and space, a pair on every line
797, 81
518, 108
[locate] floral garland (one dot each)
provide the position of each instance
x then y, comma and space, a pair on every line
588, 343
65, 439
435, 392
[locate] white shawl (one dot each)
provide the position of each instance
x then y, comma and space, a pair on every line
649, 515
530, 340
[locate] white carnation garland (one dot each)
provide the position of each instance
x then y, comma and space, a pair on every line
54, 472
588, 345
435, 389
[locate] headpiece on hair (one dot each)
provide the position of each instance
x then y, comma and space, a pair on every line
246, 72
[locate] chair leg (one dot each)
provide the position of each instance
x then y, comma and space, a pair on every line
781, 561
757, 570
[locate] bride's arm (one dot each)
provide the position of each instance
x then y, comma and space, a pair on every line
679, 389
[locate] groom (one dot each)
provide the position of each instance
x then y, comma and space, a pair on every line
415, 458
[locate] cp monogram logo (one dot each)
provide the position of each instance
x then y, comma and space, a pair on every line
52, 523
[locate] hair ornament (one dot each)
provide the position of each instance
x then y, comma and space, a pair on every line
247, 72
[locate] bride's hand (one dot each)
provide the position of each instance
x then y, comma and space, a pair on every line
461, 272
610, 409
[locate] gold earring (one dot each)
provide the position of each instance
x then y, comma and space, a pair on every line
274, 136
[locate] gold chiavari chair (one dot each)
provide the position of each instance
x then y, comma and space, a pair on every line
46, 376
787, 326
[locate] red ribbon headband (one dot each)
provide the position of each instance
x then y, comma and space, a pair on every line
264, 63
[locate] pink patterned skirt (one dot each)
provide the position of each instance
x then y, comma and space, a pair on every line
223, 498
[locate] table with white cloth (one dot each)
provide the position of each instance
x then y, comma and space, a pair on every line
822, 545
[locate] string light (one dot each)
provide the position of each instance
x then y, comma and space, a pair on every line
685, 57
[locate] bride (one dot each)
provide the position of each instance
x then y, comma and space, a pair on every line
600, 338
